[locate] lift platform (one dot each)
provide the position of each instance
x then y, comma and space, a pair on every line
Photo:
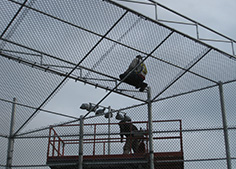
106, 151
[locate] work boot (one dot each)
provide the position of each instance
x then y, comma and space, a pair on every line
126, 152
143, 86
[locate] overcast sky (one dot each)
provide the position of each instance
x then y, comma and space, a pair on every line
216, 14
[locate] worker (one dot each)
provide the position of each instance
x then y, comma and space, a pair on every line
137, 76
128, 129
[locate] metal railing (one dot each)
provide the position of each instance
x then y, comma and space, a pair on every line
99, 140
220, 38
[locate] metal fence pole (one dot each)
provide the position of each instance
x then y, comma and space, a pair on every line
151, 153
11, 138
224, 120
81, 133
232, 45
109, 131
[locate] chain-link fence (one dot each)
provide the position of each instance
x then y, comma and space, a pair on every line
186, 115
187, 132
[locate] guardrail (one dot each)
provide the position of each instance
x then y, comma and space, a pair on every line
99, 140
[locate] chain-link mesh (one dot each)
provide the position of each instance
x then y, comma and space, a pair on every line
202, 139
45, 43
3, 153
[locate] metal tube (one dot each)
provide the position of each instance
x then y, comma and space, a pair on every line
197, 31
109, 130
94, 139
11, 138
232, 44
81, 133
151, 153
156, 13
224, 120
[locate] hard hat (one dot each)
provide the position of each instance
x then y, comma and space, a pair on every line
119, 116
127, 118
139, 56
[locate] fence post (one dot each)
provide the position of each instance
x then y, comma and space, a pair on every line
109, 130
224, 120
151, 153
81, 133
11, 138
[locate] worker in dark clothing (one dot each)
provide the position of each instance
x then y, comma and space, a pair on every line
137, 76
128, 129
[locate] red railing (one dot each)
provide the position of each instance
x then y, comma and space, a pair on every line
56, 143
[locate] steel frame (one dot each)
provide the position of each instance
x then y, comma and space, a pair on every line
70, 75
190, 22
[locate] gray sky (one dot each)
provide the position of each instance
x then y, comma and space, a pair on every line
216, 14
203, 113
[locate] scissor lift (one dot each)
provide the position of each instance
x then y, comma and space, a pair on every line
61, 156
